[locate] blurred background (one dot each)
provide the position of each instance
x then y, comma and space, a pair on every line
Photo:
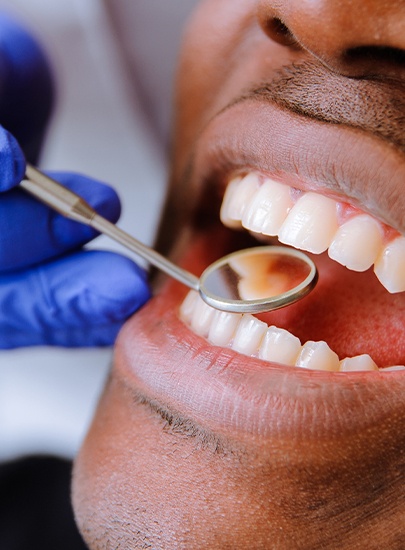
113, 62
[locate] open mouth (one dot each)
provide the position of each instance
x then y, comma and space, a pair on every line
354, 320
310, 222
279, 374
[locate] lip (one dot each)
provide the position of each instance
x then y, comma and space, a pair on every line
218, 388
344, 163
227, 392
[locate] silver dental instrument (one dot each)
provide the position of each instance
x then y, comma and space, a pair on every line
253, 280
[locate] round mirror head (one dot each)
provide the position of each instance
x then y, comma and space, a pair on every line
258, 279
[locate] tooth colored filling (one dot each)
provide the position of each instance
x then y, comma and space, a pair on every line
252, 337
311, 222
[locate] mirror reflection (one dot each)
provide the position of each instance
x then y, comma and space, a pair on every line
257, 274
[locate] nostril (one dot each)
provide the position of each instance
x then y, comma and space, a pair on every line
279, 32
373, 58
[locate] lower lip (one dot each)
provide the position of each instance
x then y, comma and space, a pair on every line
159, 356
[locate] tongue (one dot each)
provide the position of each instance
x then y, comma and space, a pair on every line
351, 311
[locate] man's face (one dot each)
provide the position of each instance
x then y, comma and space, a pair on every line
216, 431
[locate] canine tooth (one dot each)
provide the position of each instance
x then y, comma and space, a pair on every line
268, 208
390, 266
249, 335
357, 243
317, 356
279, 346
187, 307
393, 368
360, 362
311, 223
239, 195
223, 327
227, 201
202, 316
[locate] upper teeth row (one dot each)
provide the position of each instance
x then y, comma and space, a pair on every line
250, 336
312, 223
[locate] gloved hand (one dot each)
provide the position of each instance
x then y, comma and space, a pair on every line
51, 292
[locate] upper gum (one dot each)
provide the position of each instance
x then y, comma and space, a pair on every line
346, 210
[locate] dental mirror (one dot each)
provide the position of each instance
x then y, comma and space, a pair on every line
259, 279
252, 280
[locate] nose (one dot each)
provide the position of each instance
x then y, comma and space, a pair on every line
357, 38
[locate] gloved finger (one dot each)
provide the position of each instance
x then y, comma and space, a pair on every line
30, 232
79, 300
12, 161
26, 86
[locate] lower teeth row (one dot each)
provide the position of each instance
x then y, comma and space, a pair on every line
249, 336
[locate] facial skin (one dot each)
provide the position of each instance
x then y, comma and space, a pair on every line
198, 446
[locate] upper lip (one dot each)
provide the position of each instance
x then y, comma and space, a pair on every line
345, 163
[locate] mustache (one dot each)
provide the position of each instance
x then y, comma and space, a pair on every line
374, 106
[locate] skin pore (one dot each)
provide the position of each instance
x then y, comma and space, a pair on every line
199, 446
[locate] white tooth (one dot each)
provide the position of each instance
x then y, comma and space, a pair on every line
237, 195
202, 317
227, 201
279, 346
223, 327
268, 208
311, 223
357, 243
393, 368
360, 362
187, 307
390, 266
317, 356
249, 335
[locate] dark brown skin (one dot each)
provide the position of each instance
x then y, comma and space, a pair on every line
197, 447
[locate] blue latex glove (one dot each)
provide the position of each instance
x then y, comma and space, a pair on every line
26, 87
51, 292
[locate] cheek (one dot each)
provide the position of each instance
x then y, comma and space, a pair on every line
212, 41
136, 485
